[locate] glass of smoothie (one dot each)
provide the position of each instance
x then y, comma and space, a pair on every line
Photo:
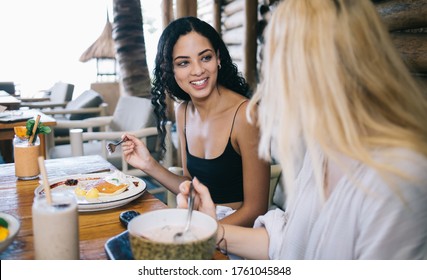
56, 227
25, 157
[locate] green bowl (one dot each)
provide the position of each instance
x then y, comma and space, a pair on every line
151, 235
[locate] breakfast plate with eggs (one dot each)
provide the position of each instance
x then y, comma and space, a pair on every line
98, 191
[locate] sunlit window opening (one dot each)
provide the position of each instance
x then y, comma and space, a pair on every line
43, 40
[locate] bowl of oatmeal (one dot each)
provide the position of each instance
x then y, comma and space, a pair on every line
152, 235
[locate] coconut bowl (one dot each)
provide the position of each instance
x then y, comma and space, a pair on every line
151, 235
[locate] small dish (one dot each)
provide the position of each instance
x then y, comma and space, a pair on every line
13, 226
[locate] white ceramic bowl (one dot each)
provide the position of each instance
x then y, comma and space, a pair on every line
13, 226
145, 229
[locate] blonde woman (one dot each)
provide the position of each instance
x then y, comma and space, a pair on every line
337, 97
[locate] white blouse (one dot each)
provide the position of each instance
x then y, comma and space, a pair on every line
357, 221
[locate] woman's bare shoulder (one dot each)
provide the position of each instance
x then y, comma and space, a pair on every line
180, 113
242, 116
180, 109
244, 128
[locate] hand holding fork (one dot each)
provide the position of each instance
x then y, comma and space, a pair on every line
111, 146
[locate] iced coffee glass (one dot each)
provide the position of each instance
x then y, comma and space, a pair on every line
25, 157
56, 227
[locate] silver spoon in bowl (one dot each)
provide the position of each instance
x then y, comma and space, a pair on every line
182, 236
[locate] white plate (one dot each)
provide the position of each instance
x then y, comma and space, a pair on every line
136, 189
7, 114
13, 226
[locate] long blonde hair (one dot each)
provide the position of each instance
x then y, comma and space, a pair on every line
333, 82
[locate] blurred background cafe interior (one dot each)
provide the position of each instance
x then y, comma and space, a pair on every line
61, 59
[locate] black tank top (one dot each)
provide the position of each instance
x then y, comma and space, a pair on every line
222, 175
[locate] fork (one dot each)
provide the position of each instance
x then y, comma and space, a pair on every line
111, 147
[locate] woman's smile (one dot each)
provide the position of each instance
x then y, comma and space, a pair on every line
200, 84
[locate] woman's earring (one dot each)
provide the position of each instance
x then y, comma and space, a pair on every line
219, 66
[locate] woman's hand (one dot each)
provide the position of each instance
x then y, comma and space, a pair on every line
135, 152
202, 200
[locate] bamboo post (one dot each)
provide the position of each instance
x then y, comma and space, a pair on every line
250, 42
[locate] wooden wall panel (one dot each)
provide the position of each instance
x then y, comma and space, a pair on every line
407, 22
413, 48
233, 7
234, 37
205, 11
403, 14
234, 20
236, 52
232, 31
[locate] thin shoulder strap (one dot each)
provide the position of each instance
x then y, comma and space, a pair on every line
235, 114
185, 121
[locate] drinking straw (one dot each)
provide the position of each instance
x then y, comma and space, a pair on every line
36, 124
45, 181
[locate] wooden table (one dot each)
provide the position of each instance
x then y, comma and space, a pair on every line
7, 133
96, 228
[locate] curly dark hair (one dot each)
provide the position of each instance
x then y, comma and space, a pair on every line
164, 80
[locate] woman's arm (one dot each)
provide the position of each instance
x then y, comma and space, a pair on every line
137, 154
248, 243
256, 173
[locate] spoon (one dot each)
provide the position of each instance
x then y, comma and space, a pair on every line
182, 236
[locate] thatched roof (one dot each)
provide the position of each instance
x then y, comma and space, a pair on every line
103, 47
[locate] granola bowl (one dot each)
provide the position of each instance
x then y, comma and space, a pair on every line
152, 235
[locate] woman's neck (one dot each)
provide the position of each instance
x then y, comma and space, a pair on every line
210, 106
